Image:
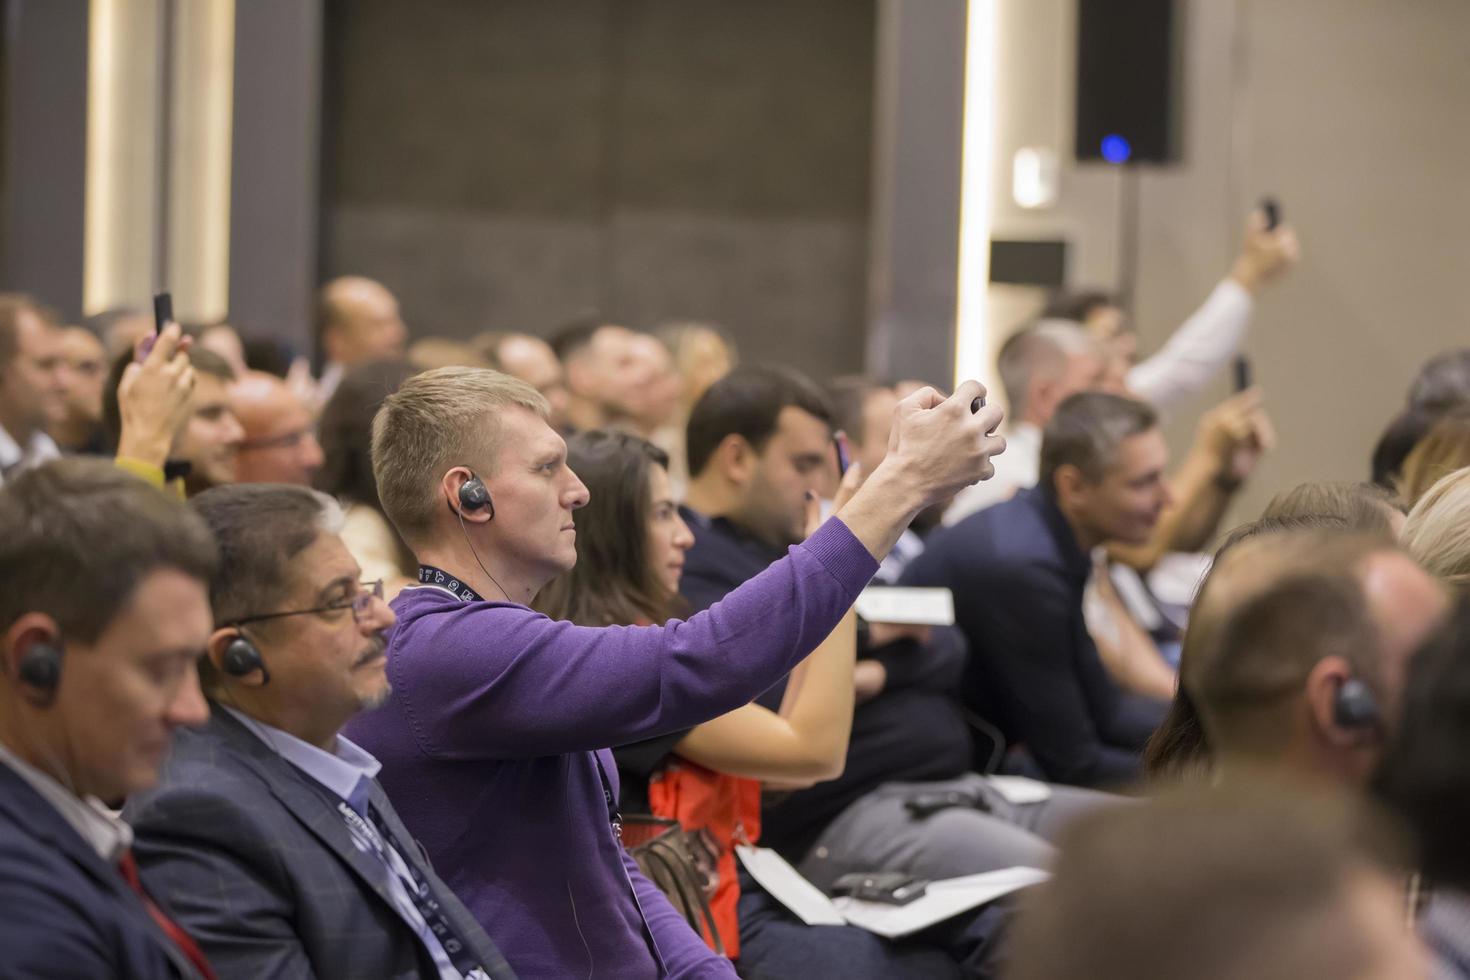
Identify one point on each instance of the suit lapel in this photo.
(33, 815)
(310, 803)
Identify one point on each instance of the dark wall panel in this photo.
(509, 164)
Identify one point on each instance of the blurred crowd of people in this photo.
(384, 665)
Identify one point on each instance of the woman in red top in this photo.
(630, 554)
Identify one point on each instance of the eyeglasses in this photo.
(289, 440)
(360, 604)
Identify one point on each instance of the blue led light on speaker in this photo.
(1116, 149)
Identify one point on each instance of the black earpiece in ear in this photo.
(40, 667)
(241, 657)
(474, 495)
(1355, 707)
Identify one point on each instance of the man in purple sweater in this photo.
(493, 744)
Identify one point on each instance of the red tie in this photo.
(129, 869)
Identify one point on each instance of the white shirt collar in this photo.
(38, 449)
(104, 832)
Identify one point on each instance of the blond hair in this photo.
(1437, 533)
(1443, 450)
(436, 420)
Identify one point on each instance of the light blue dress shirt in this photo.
(347, 774)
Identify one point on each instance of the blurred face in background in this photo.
(368, 326)
(532, 360)
(797, 459)
(668, 536)
(85, 363)
(210, 440)
(279, 445)
(652, 397)
(33, 381)
(1127, 502)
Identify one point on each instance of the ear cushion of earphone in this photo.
(40, 667)
(474, 495)
(240, 658)
(1355, 706)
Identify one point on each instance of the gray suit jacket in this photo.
(250, 856)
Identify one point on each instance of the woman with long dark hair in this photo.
(630, 554)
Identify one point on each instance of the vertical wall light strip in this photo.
(203, 96)
(98, 240)
(121, 196)
(976, 169)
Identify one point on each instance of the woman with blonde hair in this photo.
(1443, 450)
(1437, 533)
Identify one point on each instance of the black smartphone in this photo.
(844, 454)
(889, 887)
(1272, 209)
(1242, 373)
(163, 311)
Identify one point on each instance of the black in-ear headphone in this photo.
(1355, 707)
(473, 495)
(242, 657)
(40, 667)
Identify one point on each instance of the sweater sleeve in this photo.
(485, 681)
(1197, 350)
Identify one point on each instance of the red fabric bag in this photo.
(728, 808)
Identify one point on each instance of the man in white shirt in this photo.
(32, 384)
(104, 608)
(1040, 367)
(1205, 342)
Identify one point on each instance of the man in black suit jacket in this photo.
(1018, 571)
(103, 611)
(269, 836)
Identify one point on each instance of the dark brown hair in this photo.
(78, 535)
(1086, 432)
(747, 402)
(612, 583)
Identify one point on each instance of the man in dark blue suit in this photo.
(269, 837)
(104, 609)
(1018, 571)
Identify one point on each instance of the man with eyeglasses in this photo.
(268, 838)
(279, 446)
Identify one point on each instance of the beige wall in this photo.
(1356, 114)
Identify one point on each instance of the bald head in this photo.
(532, 360)
(1283, 622)
(279, 445)
(359, 322)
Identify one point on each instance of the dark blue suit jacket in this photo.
(1018, 574)
(250, 855)
(64, 912)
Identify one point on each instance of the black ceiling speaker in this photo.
(1128, 81)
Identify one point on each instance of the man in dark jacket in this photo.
(269, 836)
(104, 607)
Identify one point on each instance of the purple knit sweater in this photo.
(487, 749)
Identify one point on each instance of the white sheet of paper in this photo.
(786, 885)
(1019, 790)
(906, 606)
(944, 899)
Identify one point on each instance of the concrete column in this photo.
(45, 150)
(275, 169)
(914, 236)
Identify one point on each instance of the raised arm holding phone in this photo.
(490, 742)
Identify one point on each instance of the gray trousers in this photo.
(878, 833)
